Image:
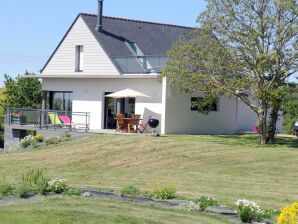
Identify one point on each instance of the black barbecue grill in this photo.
(153, 123)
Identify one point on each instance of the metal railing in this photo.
(142, 64)
(49, 119)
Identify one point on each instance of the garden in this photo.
(179, 173)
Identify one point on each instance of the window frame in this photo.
(51, 98)
(79, 58)
(200, 98)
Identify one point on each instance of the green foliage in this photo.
(57, 185)
(290, 110)
(243, 50)
(204, 202)
(6, 189)
(38, 137)
(27, 141)
(54, 140)
(73, 191)
(268, 214)
(248, 210)
(130, 191)
(36, 181)
(22, 190)
(206, 104)
(22, 92)
(164, 191)
(67, 135)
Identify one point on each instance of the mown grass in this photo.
(87, 211)
(225, 167)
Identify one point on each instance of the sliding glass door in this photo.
(61, 101)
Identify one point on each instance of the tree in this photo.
(290, 111)
(22, 92)
(245, 49)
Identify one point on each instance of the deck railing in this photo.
(49, 119)
(142, 64)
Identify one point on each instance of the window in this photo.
(135, 48)
(195, 100)
(79, 58)
(61, 101)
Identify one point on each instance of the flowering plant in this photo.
(190, 207)
(289, 214)
(28, 140)
(57, 185)
(204, 202)
(248, 210)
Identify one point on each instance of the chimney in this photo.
(99, 16)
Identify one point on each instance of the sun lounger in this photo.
(55, 120)
(68, 122)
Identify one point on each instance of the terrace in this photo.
(48, 119)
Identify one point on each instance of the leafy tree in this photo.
(245, 49)
(22, 92)
(290, 109)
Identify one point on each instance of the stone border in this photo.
(220, 210)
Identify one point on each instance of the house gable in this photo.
(63, 60)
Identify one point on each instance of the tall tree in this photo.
(22, 92)
(290, 109)
(245, 49)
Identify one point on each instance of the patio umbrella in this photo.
(126, 93)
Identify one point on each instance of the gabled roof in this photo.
(154, 39)
(151, 38)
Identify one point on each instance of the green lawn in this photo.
(225, 167)
(71, 211)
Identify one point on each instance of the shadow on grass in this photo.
(251, 140)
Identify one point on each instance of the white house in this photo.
(101, 55)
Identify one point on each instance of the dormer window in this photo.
(135, 48)
(79, 58)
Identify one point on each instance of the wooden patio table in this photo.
(131, 121)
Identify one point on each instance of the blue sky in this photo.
(31, 29)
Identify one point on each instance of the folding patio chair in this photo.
(144, 127)
(55, 120)
(68, 122)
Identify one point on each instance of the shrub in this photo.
(289, 214)
(204, 202)
(57, 185)
(67, 136)
(22, 190)
(6, 189)
(190, 207)
(130, 191)
(38, 138)
(73, 191)
(53, 140)
(248, 210)
(268, 214)
(36, 181)
(27, 141)
(164, 191)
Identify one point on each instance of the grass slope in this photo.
(71, 211)
(226, 167)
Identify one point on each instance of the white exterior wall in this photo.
(88, 96)
(96, 61)
(180, 119)
(246, 118)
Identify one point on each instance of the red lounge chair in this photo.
(68, 122)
